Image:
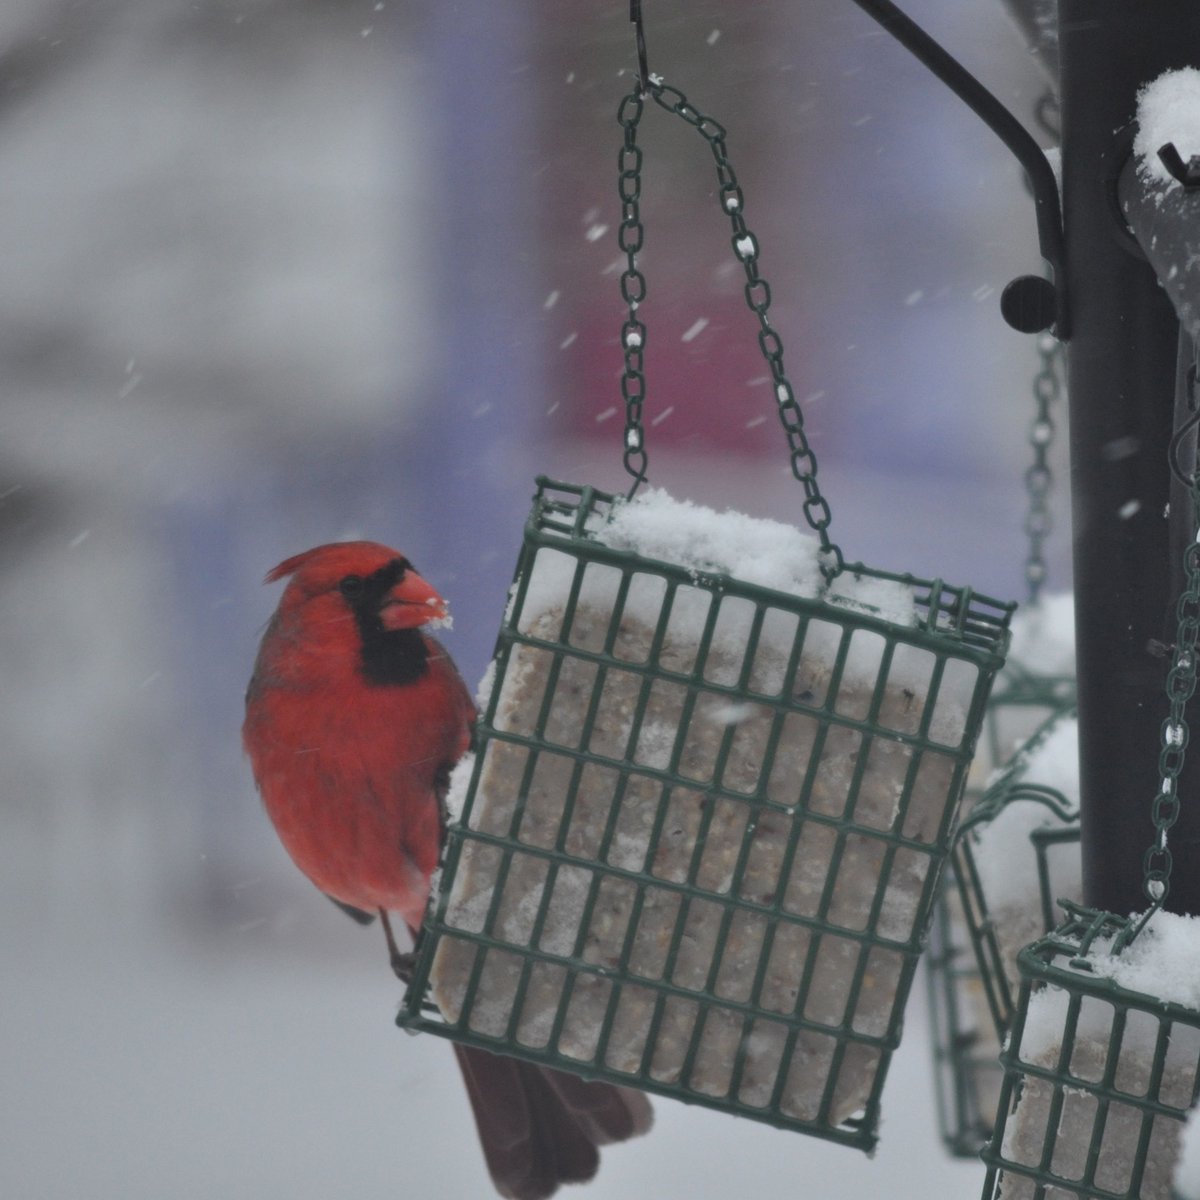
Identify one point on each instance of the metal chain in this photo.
(633, 289)
(757, 293)
(1047, 388)
(1180, 687)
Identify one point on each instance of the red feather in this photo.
(354, 717)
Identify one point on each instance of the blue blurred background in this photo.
(280, 271)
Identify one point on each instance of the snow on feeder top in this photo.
(717, 772)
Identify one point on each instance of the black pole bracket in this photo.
(1028, 302)
(639, 33)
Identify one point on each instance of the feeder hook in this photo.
(1188, 173)
(1179, 437)
(639, 33)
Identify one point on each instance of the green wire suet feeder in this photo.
(699, 840)
(1016, 855)
(1099, 1076)
(978, 930)
(702, 832)
(967, 1072)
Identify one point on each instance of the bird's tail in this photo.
(539, 1127)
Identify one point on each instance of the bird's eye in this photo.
(351, 586)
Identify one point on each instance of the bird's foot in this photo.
(404, 965)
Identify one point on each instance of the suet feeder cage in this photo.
(1016, 855)
(1022, 858)
(965, 1048)
(1100, 1067)
(700, 838)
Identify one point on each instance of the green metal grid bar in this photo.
(1010, 784)
(966, 1063)
(819, 923)
(857, 1131)
(893, 840)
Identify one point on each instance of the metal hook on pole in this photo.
(1178, 440)
(635, 16)
(1180, 436)
(1188, 173)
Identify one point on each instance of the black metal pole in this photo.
(1121, 360)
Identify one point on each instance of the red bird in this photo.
(354, 718)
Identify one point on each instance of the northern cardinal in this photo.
(354, 718)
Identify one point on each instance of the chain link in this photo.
(1047, 388)
(633, 288)
(1174, 732)
(757, 293)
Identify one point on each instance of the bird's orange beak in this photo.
(412, 602)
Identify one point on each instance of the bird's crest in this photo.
(359, 557)
(290, 565)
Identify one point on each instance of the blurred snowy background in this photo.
(279, 271)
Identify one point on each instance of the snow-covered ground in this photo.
(280, 270)
(143, 1059)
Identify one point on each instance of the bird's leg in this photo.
(402, 964)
